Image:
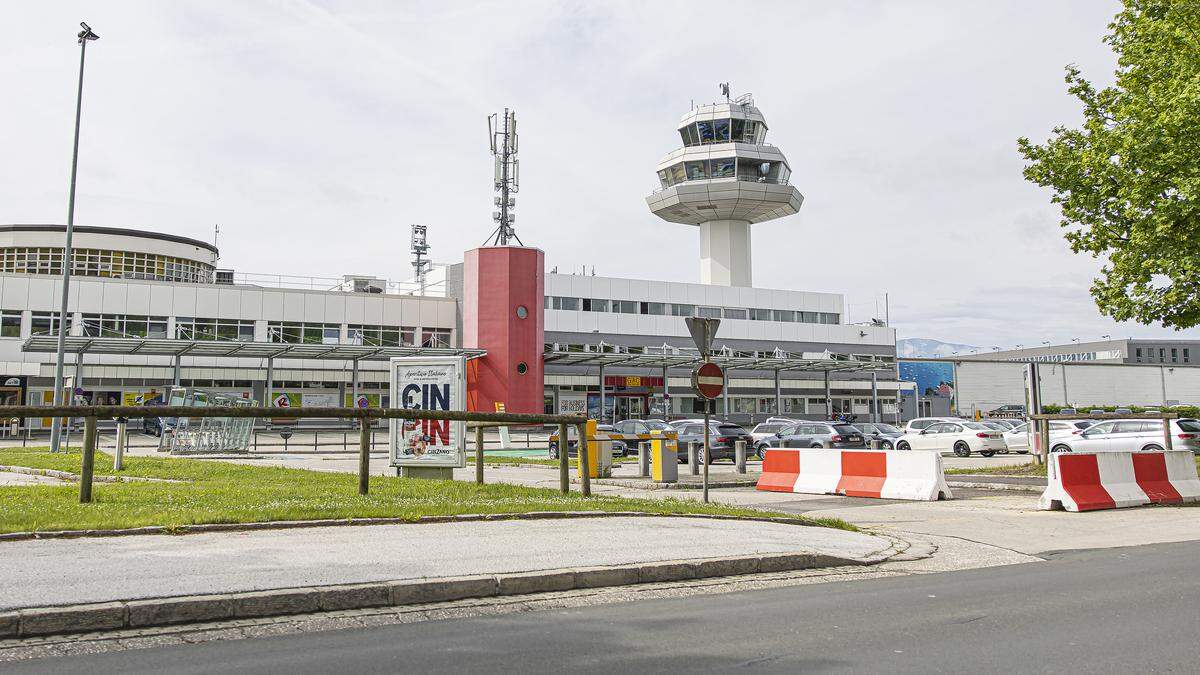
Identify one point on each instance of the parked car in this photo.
(619, 448)
(816, 434)
(1017, 438)
(1131, 436)
(962, 437)
(641, 427)
(722, 437)
(1010, 410)
(155, 426)
(766, 432)
(920, 423)
(886, 434)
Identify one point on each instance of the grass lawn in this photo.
(222, 492)
(1008, 470)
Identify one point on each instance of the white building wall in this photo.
(611, 323)
(986, 385)
(34, 293)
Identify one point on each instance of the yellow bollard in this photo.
(664, 465)
(593, 457)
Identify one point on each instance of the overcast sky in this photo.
(315, 133)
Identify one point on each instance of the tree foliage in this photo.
(1128, 180)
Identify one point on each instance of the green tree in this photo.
(1128, 180)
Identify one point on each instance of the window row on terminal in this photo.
(683, 309)
(232, 330)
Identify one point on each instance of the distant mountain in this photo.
(925, 348)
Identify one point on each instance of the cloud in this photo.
(315, 133)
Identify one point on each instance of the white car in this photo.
(915, 426)
(766, 432)
(1017, 440)
(960, 436)
(1131, 436)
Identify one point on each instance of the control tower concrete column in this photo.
(725, 253)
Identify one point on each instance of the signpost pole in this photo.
(708, 380)
(704, 458)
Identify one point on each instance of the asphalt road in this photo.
(1112, 610)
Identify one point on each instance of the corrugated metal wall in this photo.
(987, 385)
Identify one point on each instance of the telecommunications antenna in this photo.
(419, 247)
(502, 137)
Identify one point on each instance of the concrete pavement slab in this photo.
(39, 573)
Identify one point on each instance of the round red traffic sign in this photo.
(708, 380)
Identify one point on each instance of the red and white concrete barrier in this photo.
(887, 474)
(1113, 480)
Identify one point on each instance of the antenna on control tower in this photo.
(419, 247)
(725, 91)
(502, 135)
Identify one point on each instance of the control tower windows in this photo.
(689, 135)
(722, 168)
(696, 170)
(721, 130)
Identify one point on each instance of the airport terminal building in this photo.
(148, 310)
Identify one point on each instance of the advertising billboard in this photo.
(428, 383)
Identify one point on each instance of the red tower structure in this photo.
(503, 287)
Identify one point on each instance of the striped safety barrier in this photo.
(1113, 480)
(887, 474)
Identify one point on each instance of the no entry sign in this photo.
(708, 380)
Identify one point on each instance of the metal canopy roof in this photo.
(669, 357)
(220, 348)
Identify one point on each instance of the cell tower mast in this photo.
(420, 247)
(502, 136)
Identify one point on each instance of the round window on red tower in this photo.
(522, 312)
(522, 368)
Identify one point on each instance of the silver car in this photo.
(1131, 436)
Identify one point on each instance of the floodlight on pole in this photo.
(84, 37)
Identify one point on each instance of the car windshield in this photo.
(729, 429)
(1083, 424)
(1189, 425)
(886, 429)
(977, 426)
(655, 425)
(846, 429)
(767, 428)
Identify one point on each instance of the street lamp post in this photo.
(85, 36)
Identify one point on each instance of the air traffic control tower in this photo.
(724, 178)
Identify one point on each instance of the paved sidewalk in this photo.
(70, 571)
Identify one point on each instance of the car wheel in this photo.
(887, 445)
(962, 449)
(1060, 448)
(1022, 452)
(1152, 448)
(553, 451)
(761, 452)
(986, 453)
(903, 445)
(817, 446)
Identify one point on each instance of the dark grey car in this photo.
(886, 434)
(722, 438)
(816, 434)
